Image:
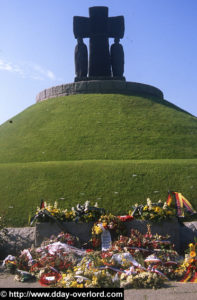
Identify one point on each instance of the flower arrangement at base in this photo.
(165, 262)
(138, 261)
(90, 272)
(153, 252)
(81, 213)
(50, 278)
(114, 260)
(110, 269)
(24, 276)
(141, 280)
(10, 264)
(146, 243)
(109, 222)
(119, 266)
(94, 278)
(187, 272)
(50, 257)
(63, 237)
(155, 212)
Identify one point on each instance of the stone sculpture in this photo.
(99, 28)
(117, 59)
(81, 59)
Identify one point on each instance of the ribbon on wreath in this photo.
(181, 202)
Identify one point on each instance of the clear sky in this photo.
(37, 47)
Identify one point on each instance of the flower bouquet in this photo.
(155, 212)
(81, 213)
(109, 223)
(187, 272)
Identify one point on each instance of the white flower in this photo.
(78, 207)
(165, 206)
(87, 203)
(96, 204)
(80, 280)
(149, 203)
(79, 272)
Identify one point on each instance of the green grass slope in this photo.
(115, 185)
(84, 127)
(113, 149)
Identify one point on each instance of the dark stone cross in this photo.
(99, 28)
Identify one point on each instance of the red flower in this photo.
(106, 254)
(89, 250)
(125, 218)
(49, 278)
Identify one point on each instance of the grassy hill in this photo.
(113, 149)
(84, 127)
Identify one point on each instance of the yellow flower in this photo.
(145, 208)
(192, 253)
(94, 280)
(97, 229)
(74, 284)
(157, 209)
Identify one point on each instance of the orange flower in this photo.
(104, 224)
(192, 253)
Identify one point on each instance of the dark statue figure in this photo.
(81, 59)
(117, 59)
(99, 28)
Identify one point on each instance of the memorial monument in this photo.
(99, 69)
(99, 28)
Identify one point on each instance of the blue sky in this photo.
(37, 47)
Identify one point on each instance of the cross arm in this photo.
(81, 27)
(116, 27)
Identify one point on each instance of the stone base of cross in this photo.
(77, 79)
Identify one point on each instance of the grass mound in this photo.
(84, 127)
(113, 149)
